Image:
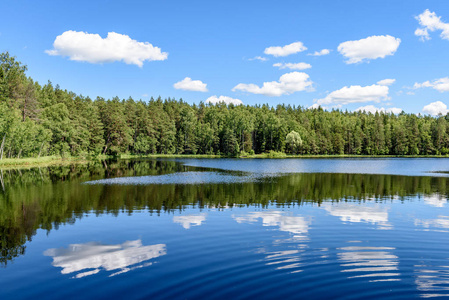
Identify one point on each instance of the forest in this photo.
(41, 120)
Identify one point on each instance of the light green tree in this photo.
(293, 141)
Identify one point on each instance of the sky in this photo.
(372, 55)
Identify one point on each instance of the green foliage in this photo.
(46, 120)
(293, 141)
(275, 154)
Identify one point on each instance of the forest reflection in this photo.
(45, 198)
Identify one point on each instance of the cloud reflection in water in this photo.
(357, 213)
(92, 257)
(190, 220)
(378, 263)
(297, 225)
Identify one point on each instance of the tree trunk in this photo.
(40, 150)
(1, 147)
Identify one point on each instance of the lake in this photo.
(227, 229)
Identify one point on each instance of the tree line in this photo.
(38, 120)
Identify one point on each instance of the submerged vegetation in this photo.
(46, 120)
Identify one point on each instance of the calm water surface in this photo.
(226, 228)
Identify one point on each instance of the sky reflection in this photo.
(92, 257)
(357, 213)
(190, 220)
(377, 263)
(297, 225)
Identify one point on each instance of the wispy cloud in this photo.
(293, 66)
(261, 58)
(387, 82)
(285, 50)
(441, 85)
(320, 53)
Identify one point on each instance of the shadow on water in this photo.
(45, 198)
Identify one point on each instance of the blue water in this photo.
(237, 239)
(392, 166)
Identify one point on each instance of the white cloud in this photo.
(287, 84)
(293, 66)
(320, 53)
(386, 82)
(261, 58)
(356, 94)
(441, 85)
(285, 50)
(187, 84)
(435, 108)
(372, 47)
(223, 99)
(83, 46)
(372, 109)
(431, 22)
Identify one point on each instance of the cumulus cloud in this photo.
(287, 84)
(429, 21)
(386, 82)
(92, 48)
(293, 66)
(372, 47)
(285, 50)
(187, 84)
(261, 58)
(372, 109)
(223, 99)
(356, 94)
(441, 85)
(435, 108)
(320, 53)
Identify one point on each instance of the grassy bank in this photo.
(44, 161)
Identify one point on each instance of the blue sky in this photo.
(216, 43)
